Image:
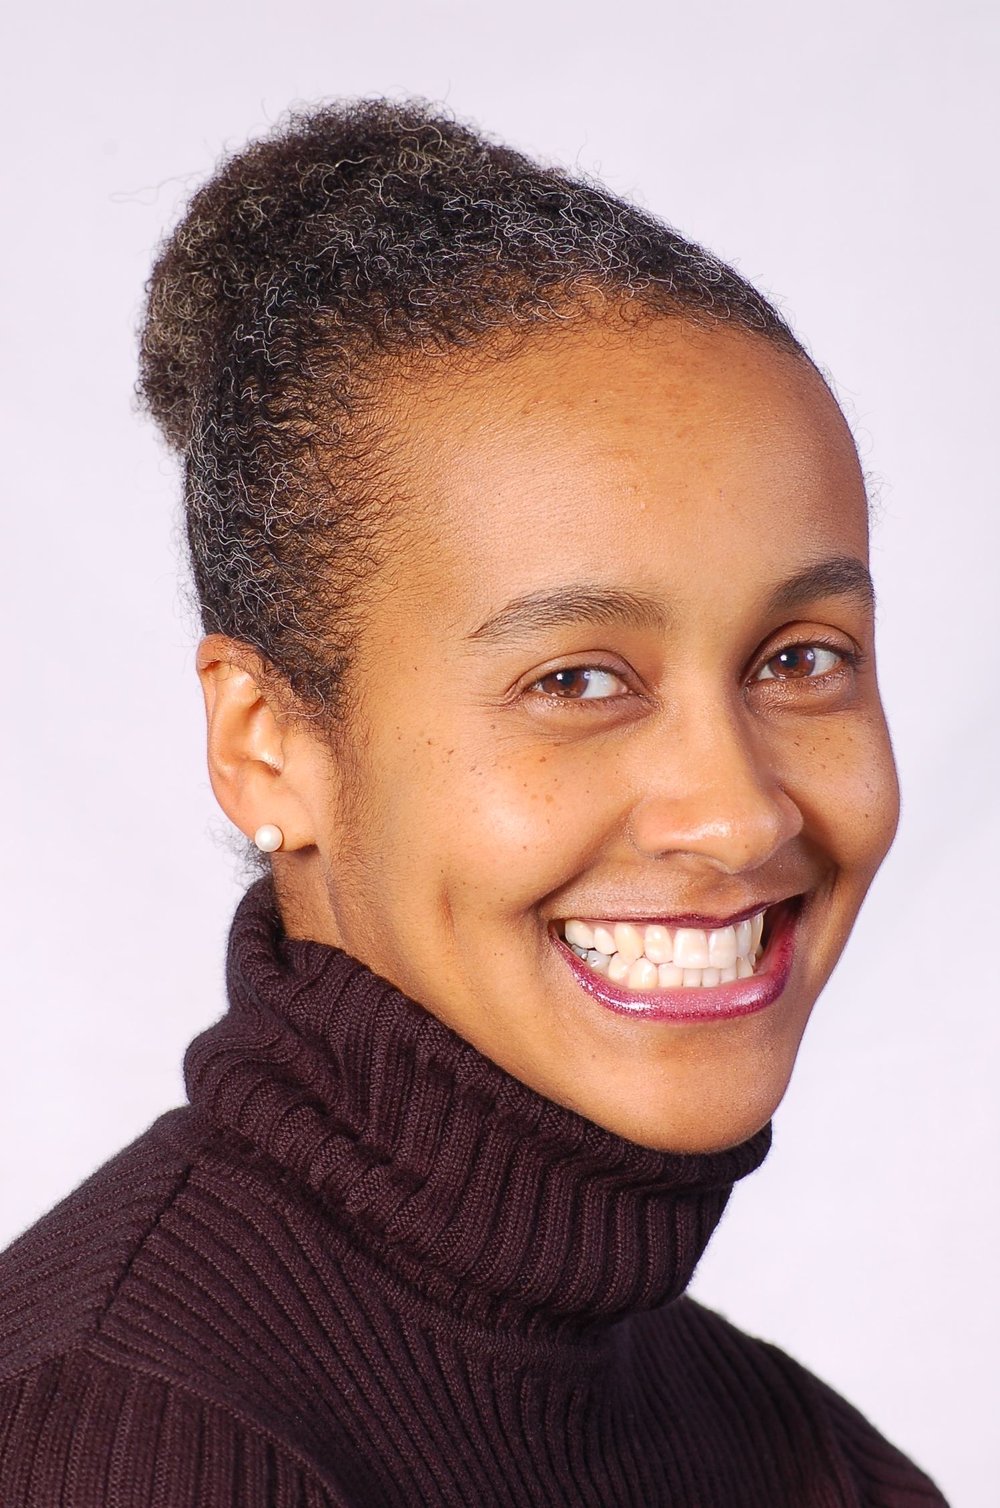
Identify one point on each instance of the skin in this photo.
(473, 802)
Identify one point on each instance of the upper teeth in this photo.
(654, 956)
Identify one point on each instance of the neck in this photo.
(487, 1197)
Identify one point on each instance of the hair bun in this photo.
(360, 229)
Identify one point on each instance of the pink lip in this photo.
(721, 1002)
(689, 919)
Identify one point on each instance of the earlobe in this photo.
(249, 743)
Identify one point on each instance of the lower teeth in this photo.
(643, 975)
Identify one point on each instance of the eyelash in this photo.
(589, 702)
(851, 659)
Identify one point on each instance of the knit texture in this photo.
(366, 1268)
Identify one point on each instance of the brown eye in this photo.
(579, 683)
(800, 662)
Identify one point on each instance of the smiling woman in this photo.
(532, 554)
(607, 724)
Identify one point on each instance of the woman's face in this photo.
(621, 676)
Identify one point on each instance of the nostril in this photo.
(736, 825)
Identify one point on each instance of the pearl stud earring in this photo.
(268, 838)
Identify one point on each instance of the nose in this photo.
(711, 791)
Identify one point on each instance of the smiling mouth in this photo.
(672, 970)
(657, 957)
(644, 957)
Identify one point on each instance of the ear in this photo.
(260, 762)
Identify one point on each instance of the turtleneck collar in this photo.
(487, 1197)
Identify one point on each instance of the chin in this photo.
(694, 1139)
(693, 1133)
(702, 1100)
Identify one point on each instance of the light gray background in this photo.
(844, 156)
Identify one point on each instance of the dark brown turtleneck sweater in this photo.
(366, 1268)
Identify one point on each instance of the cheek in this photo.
(842, 776)
(539, 821)
(494, 830)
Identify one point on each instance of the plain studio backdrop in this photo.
(843, 156)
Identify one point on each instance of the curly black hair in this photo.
(356, 238)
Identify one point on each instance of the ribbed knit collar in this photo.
(455, 1176)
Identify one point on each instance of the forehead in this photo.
(660, 457)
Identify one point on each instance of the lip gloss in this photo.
(719, 1002)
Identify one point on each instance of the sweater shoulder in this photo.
(84, 1432)
(881, 1474)
(137, 1364)
(61, 1275)
(187, 1262)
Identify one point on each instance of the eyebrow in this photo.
(584, 602)
(838, 576)
(578, 603)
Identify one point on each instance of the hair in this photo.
(358, 238)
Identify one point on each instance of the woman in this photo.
(531, 550)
